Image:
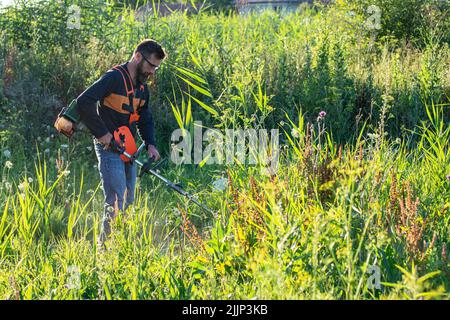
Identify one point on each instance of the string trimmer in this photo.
(147, 167)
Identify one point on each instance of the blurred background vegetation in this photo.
(368, 184)
(322, 57)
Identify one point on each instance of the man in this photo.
(120, 98)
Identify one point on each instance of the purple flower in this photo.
(448, 177)
(322, 115)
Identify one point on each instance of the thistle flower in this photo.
(322, 115)
(7, 153)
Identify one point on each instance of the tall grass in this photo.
(285, 61)
(364, 187)
(311, 231)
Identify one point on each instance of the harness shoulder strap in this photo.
(127, 82)
(130, 92)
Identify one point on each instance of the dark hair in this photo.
(149, 46)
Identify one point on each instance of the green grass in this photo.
(309, 232)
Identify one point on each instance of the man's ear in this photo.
(137, 56)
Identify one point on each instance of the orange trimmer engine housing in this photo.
(125, 139)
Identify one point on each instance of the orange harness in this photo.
(134, 116)
(123, 134)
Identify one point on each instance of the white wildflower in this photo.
(8, 164)
(280, 204)
(66, 173)
(89, 148)
(30, 180)
(295, 133)
(8, 186)
(23, 186)
(220, 184)
(47, 140)
(7, 153)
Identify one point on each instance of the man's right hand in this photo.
(105, 140)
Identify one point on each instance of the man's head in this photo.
(148, 56)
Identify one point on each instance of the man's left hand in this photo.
(153, 153)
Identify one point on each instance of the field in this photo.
(358, 208)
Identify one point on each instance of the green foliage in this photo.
(366, 185)
(311, 231)
(411, 19)
(247, 68)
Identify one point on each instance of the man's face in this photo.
(147, 67)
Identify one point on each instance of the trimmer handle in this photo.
(146, 167)
(116, 147)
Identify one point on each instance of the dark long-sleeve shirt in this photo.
(105, 106)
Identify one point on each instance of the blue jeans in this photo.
(118, 183)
